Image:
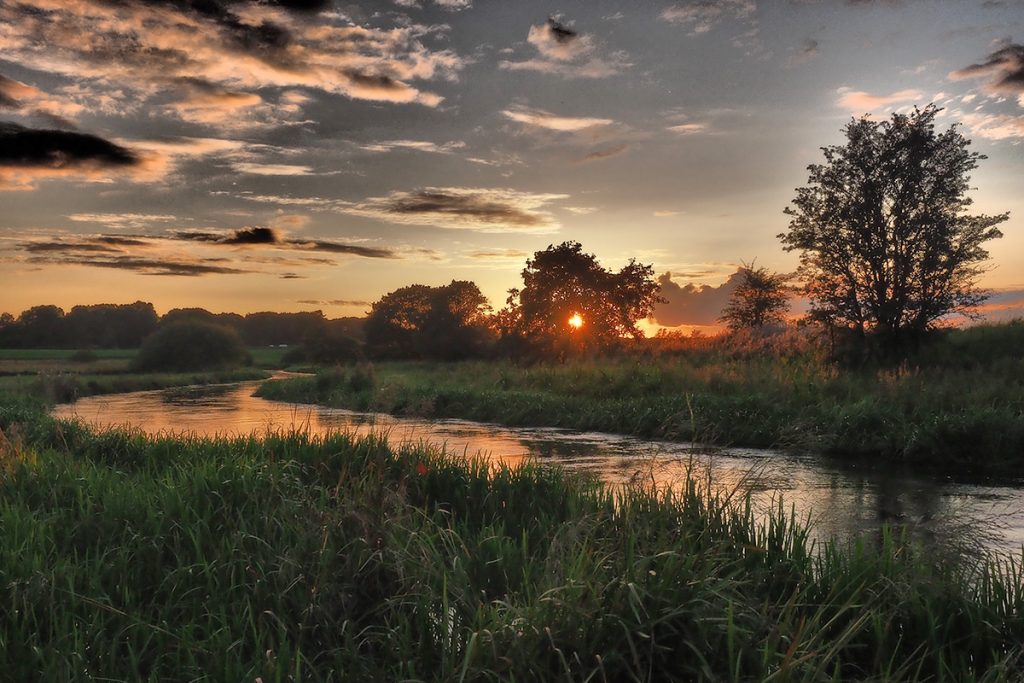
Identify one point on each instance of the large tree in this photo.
(569, 299)
(418, 321)
(886, 244)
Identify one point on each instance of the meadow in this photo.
(291, 557)
(957, 406)
(63, 375)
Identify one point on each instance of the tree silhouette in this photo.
(760, 299)
(562, 282)
(886, 246)
(418, 321)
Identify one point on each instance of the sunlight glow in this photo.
(576, 321)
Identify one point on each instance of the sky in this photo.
(245, 155)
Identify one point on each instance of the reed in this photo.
(288, 556)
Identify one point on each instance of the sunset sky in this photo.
(300, 154)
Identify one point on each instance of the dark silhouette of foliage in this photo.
(445, 323)
(761, 299)
(563, 281)
(886, 245)
(190, 345)
(111, 325)
(330, 348)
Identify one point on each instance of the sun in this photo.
(576, 321)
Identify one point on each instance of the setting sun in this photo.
(576, 321)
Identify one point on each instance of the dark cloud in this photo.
(1004, 68)
(606, 153)
(144, 266)
(33, 147)
(693, 304)
(121, 241)
(64, 246)
(241, 236)
(560, 32)
(8, 87)
(477, 208)
(267, 236)
(339, 248)
(291, 276)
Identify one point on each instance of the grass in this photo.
(64, 375)
(957, 409)
(294, 557)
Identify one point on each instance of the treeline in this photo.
(124, 326)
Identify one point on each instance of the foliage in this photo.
(885, 243)
(96, 326)
(293, 557)
(191, 345)
(760, 299)
(563, 281)
(418, 321)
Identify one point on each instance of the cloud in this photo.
(688, 128)
(665, 213)
(272, 169)
(261, 236)
(414, 145)
(29, 100)
(606, 153)
(538, 118)
(807, 52)
(30, 154)
(859, 101)
(214, 55)
(566, 52)
(122, 220)
(693, 304)
(340, 248)
(487, 210)
(1004, 70)
(498, 254)
(703, 15)
(995, 126)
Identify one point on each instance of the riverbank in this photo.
(65, 375)
(967, 419)
(134, 557)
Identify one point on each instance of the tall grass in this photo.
(296, 557)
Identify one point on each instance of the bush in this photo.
(191, 345)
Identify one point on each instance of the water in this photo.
(839, 502)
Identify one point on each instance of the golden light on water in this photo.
(576, 321)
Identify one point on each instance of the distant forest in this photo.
(124, 326)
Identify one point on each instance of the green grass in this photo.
(957, 410)
(62, 387)
(293, 557)
(59, 376)
(63, 354)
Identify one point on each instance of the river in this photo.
(839, 502)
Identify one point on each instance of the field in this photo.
(125, 557)
(62, 375)
(959, 407)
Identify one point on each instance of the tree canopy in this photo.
(886, 244)
(419, 321)
(760, 299)
(563, 283)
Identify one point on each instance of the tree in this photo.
(760, 299)
(189, 345)
(569, 299)
(418, 321)
(886, 244)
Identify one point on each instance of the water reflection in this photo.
(840, 503)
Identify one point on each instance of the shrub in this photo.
(191, 345)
